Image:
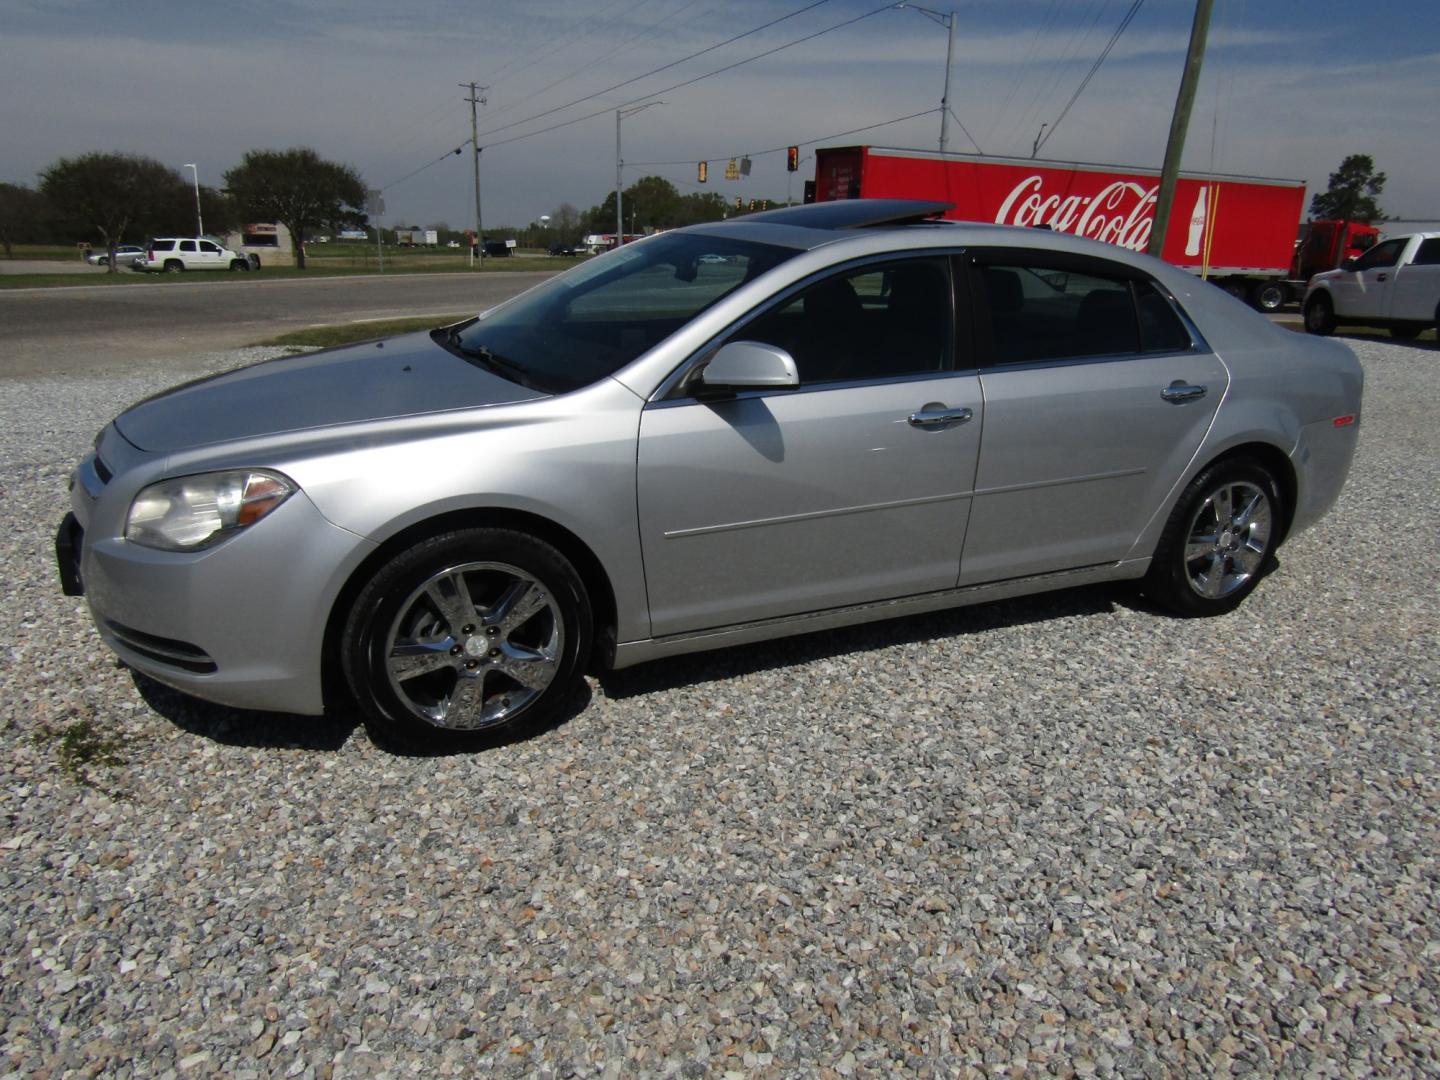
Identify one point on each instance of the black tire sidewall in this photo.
(375, 608)
(1326, 320)
(1168, 580)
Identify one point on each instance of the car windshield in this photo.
(593, 320)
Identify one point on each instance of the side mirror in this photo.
(750, 365)
(1349, 264)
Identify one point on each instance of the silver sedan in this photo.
(788, 422)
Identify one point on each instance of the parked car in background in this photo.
(565, 250)
(171, 255)
(861, 413)
(125, 254)
(1396, 284)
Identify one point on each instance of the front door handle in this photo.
(1178, 392)
(937, 415)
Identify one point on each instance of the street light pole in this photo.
(199, 221)
(619, 182)
(947, 21)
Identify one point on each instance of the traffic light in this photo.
(739, 203)
(792, 159)
(703, 172)
(752, 206)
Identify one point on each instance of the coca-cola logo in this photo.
(1121, 213)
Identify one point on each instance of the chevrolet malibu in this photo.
(793, 421)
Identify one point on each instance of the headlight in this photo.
(193, 512)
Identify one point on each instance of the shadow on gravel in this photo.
(245, 727)
(328, 733)
(721, 664)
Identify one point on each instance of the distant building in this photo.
(269, 240)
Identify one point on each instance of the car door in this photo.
(1364, 291)
(1097, 395)
(1417, 283)
(853, 487)
(211, 256)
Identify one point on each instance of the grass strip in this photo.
(325, 337)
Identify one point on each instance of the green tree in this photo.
(298, 189)
(23, 217)
(114, 194)
(1352, 194)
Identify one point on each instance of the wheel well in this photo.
(1279, 466)
(592, 575)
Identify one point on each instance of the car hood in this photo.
(404, 376)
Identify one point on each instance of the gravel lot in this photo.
(1058, 836)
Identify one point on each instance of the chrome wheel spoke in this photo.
(1220, 501)
(531, 668)
(465, 706)
(1247, 560)
(519, 603)
(1212, 581)
(451, 597)
(409, 659)
(1200, 547)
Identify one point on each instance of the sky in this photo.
(1288, 89)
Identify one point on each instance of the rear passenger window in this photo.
(1040, 313)
(187, 245)
(1160, 328)
(1429, 253)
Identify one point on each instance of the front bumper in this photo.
(240, 624)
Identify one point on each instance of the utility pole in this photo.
(475, 99)
(1179, 124)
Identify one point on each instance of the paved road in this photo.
(111, 328)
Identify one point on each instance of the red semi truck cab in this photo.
(1237, 231)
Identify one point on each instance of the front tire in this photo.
(1319, 315)
(1406, 331)
(1220, 540)
(466, 633)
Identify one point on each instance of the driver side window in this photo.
(871, 322)
(1381, 255)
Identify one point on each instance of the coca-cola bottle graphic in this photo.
(1197, 223)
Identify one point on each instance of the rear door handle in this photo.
(938, 415)
(1178, 392)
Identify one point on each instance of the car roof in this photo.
(873, 224)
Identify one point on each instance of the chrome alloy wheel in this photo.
(1228, 539)
(474, 645)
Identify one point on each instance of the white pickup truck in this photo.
(1396, 284)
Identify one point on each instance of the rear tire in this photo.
(1406, 331)
(1268, 296)
(1220, 540)
(1319, 315)
(464, 634)
(174, 266)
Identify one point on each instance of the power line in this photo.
(1125, 22)
(655, 71)
(428, 164)
(690, 82)
(624, 46)
(780, 149)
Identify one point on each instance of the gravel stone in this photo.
(1057, 836)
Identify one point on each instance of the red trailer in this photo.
(1237, 231)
